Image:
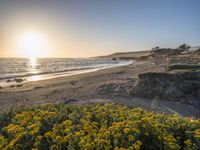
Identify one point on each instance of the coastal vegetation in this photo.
(183, 67)
(185, 47)
(95, 126)
(180, 49)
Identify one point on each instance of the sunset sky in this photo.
(85, 28)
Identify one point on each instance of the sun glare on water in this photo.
(32, 45)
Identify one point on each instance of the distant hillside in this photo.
(127, 54)
(137, 54)
(195, 48)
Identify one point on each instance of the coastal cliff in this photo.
(170, 86)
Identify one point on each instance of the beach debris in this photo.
(18, 80)
(72, 82)
(121, 72)
(8, 81)
(19, 85)
(68, 101)
(37, 87)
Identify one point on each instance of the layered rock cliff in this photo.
(170, 86)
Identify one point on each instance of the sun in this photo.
(32, 45)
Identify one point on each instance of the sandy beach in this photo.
(111, 84)
(106, 85)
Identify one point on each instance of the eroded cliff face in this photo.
(170, 86)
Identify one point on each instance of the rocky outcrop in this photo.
(170, 86)
(197, 52)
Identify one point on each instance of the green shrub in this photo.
(182, 67)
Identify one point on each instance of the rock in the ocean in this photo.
(169, 86)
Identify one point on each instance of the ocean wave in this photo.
(21, 68)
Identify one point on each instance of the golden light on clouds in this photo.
(32, 45)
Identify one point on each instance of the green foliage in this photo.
(95, 126)
(185, 47)
(182, 67)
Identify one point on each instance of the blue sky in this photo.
(98, 27)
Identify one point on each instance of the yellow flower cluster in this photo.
(94, 126)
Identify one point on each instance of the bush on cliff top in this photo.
(109, 126)
(182, 67)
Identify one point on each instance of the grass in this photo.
(183, 67)
(94, 126)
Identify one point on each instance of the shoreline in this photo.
(112, 84)
(106, 85)
(45, 76)
(73, 83)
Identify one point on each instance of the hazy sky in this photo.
(84, 28)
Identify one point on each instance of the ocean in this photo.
(45, 68)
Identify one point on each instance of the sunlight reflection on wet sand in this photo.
(35, 78)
